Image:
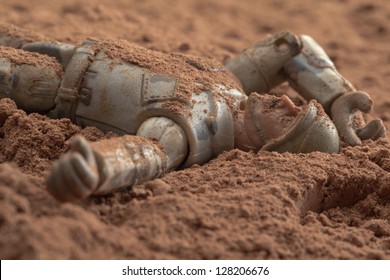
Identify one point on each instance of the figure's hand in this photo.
(346, 112)
(75, 175)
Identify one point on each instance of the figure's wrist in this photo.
(314, 76)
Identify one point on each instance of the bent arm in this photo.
(313, 75)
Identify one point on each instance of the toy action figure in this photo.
(173, 110)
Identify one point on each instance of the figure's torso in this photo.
(112, 102)
(116, 95)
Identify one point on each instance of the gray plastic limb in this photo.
(260, 67)
(75, 175)
(170, 136)
(33, 87)
(60, 51)
(126, 161)
(105, 166)
(313, 75)
(345, 111)
(19, 38)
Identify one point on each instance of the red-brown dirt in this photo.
(241, 205)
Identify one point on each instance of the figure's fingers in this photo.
(286, 104)
(72, 182)
(373, 130)
(83, 172)
(71, 178)
(342, 113)
(51, 182)
(358, 100)
(348, 134)
(80, 144)
(55, 183)
(345, 110)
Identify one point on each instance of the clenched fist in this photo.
(74, 176)
(346, 112)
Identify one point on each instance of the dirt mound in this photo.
(238, 206)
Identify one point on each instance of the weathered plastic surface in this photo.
(126, 161)
(348, 107)
(33, 87)
(259, 68)
(170, 136)
(105, 166)
(75, 175)
(118, 96)
(114, 95)
(312, 132)
(306, 131)
(313, 75)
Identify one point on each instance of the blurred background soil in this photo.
(238, 206)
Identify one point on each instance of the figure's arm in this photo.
(309, 70)
(313, 75)
(60, 51)
(259, 68)
(108, 165)
(31, 80)
(16, 37)
(19, 38)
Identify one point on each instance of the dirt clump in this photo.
(240, 205)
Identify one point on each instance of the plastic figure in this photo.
(174, 110)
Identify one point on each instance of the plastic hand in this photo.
(75, 175)
(346, 112)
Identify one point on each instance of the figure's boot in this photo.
(260, 67)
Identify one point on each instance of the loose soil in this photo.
(241, 205)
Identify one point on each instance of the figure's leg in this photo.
(260, 67)
(108, 165)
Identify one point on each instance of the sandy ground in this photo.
(238, 206)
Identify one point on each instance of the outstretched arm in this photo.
(108, 165)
